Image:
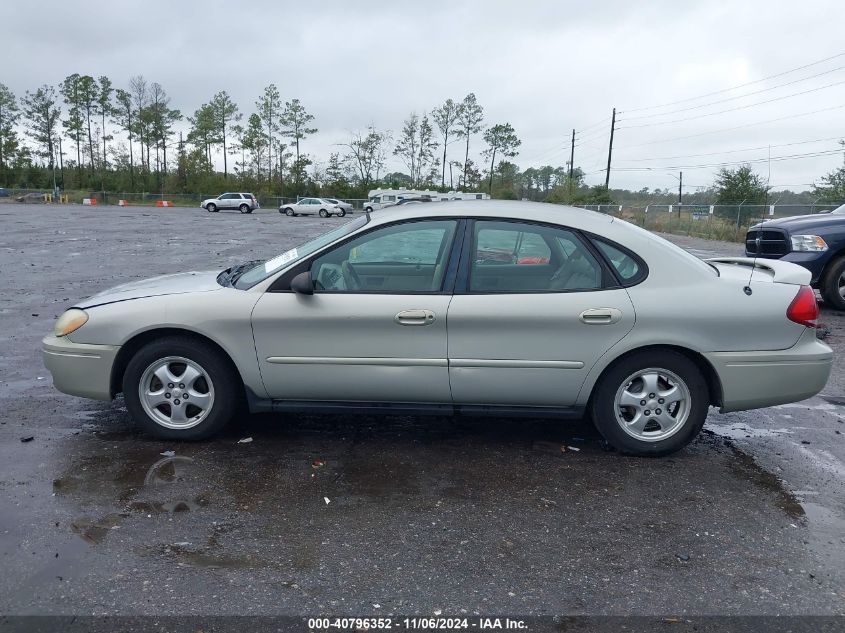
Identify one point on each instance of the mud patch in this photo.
(746, 468)
(94, 531)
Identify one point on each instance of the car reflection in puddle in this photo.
(170, 485)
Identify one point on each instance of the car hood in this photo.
(801, 222)
(179, 283)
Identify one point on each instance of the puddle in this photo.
(170, 485)
(837, 400)
(94, 531)
(742, 431)
(747, 469)
(825, 407)
(215, 560)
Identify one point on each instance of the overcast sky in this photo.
(544, 66)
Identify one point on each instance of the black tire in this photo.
(211, 207)
(341, 213)
(830, 284)
(289, 212)
(324, 213)
(602, 408)
(368, 209)
(244, 208)
(227, 386)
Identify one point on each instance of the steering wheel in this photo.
(353, 281)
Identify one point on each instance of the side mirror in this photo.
(301, 284)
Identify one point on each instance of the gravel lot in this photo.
(425, 514)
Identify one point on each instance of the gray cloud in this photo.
(546, 67)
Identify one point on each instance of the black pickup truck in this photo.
(816, 242)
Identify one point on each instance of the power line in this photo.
(592, 135)
(743, 107)
(735, 151)
(737, 127)
(773, 159)
(724, 90)
(748, 94)
(596, 124)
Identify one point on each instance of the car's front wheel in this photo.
(651, 403)
(289, 212)
(178, 388)
(833, 284)
(211, 207)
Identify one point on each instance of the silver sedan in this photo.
(324, 207)
(499, 308)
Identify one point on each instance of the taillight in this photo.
(804, 309)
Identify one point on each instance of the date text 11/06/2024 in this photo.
(418, 623)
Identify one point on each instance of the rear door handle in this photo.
(600, 316)
(415, 317)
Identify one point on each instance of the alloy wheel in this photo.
(652, 404)
(176, 392)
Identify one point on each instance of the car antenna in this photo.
(758, 241)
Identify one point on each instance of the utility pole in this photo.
(61, 164)
(571, 163)
(610, 150)
(681, 189)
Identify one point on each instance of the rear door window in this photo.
(514, 257)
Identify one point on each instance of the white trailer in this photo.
(380, 198)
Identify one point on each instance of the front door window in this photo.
(402, 258)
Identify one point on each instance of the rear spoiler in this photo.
(783, 272)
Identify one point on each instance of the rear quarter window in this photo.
(630, 268)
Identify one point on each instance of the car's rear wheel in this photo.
(244, 208)
(651, 403)
(211, 207)
(368, 209)
(324, 213)
(289, 212)
(341, 213)
(178, 388)
(833, 284)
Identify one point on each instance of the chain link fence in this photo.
(715, 222)
(34, 196)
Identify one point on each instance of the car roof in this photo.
(506, 209)
(656, 251)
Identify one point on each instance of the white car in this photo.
(346, 206)
(311, 206)
(501, 308)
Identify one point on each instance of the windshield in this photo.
(263, 270)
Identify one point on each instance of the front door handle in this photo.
(600, 316)
(415, 317)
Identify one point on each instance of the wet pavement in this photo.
(380, 515)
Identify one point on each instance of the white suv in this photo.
(244, 202)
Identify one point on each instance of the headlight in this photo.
(70, 321)
(808, 243)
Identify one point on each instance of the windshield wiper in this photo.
(229, 276)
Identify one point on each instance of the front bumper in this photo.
(80, 369)
(751, 380)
